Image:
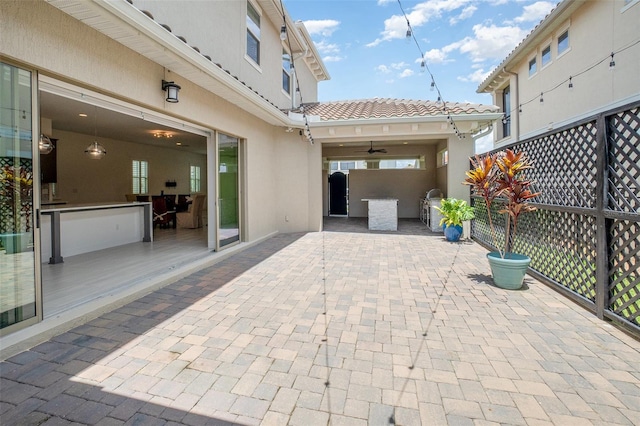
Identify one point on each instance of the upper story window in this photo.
(253, 33)
(546, 56)
(140, 177)
(506, 107)
(563, 42)
(286, 71)
(533, 67)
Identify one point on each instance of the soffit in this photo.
(134, 29)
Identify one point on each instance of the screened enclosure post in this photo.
(602, 240)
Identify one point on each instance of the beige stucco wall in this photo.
(81, 180)
(595, 30)
(40, 36)
(221, 34)
(406, 185)
(460, 150)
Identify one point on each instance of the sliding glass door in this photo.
(228, 191)
(17, 219)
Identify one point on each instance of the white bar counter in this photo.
(82, 228)
(382, 214)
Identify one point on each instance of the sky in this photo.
(364, 46)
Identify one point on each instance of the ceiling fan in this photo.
(371, 150)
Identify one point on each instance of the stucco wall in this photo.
(408, 186)
(82, 180)
(595, 30)
(221, 34)
(38, 35)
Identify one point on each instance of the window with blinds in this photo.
(194, 180)
(140, 177)
(253, 33)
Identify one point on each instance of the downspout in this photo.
(517, 99)
(293, 74)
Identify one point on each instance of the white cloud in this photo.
(466, 13)
(406, 73)
(383, 69)
(326, 48)
(395, 27)
(478, 76)
(489, 42)
(323, 27)
(534, 12)
(332, 58)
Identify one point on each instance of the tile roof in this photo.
(389, 108)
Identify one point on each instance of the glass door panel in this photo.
(17, 255)
(228, 200)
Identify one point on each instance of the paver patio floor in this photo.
(339, 328)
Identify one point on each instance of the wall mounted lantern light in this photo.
(45, 146)
(172, 90)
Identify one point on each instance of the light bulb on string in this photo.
(423, 66)
(433, 85)
(283, 32)
(570, 83)
(612, 63)
(541, 98)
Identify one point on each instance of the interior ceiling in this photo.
(64, 115)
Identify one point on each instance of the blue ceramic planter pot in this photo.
(452, 232)
(509, 272)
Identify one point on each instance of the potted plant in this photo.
(454, 212)
(503, 176)
(16, 189)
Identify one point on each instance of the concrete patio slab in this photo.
(341, 327)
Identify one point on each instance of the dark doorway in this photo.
(338, 194)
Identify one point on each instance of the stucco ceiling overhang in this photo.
(501, 74)
(405, 128)
(129, 26)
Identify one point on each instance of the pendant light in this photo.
(45, 146)
(95, 151)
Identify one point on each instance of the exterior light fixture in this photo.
(95, 151)
(172, 90)
(283, 32)
(541, 98)
(612, 63)
(45, 146)
(570, 83)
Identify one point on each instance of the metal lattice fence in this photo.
(585, 235)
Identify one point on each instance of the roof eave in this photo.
(148, 38)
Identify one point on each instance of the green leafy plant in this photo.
(454, 211)
(502, 175)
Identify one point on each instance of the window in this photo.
(443, 158)
(194, 179)
(563, 42)
(253, 33)
(532, 67)
(286, 71)
(506, 107)
(140, 173)
(546, 56)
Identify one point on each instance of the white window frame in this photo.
(443, 158)
(544, 64)
(139, 179)
(533, 59)
(560, 34)
(286, 72)
(195, 181)
(252, 60)
(628, 4)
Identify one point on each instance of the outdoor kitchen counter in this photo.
(83, 228)
(382, 214)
